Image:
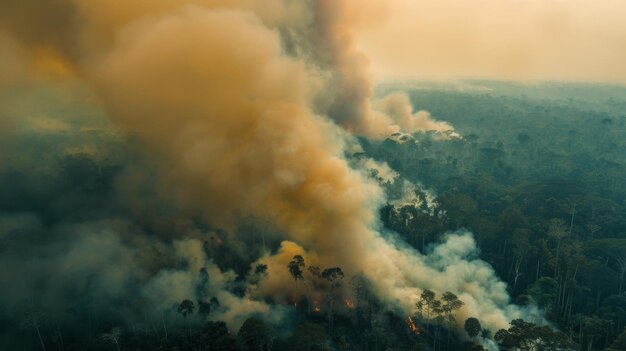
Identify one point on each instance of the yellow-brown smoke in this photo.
(351, 89)
(210, 90)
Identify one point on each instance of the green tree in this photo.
(619, 344)
(557, 230)
(426, 300)
(544, 292)
(523, 335)
(214, 336)
(260, 269)
(254, 335)
(615, 251)
(472, 327)
(334, 276)
(185, 308)
(451, 303)
(204, 308)
(296, 268)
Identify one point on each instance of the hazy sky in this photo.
(505, 39)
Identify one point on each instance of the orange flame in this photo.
(412, 326)
(349, 304)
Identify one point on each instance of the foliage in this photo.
(528, 336)
(254, 335)
(472, 327)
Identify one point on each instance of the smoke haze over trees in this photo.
(226, 175)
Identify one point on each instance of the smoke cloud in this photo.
(233, 124)
(350, 101)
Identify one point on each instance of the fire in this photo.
(412, 326)
(316, 309)
(349, 304)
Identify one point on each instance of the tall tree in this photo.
(451, 303)
(619, 344)
(185, 308)
(254, 335)
(296, 268)
(334, 276)
(557, 230)
(213, 336)
(426, 300)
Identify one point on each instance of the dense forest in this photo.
(540, 179)
(537, 175)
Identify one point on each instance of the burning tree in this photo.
(412, 327)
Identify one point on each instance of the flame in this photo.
(349, 304)
(316, 309)
(412, 326)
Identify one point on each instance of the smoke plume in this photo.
(233, 124)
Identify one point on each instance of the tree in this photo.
(557, 230)
(614, 308)
(359, 285)
(204, 308)
(620, 343)
(612, 249)
(296, 267)
(544, 292)
(260, 269)
(334, 276)
(315, 271)
(186, 307)
(439, 317)
(472, 327)
(450, 305)
(426, 299)
(113, 337)
(523, 335)
(214, 336)
(521, 247)
(254, 335)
